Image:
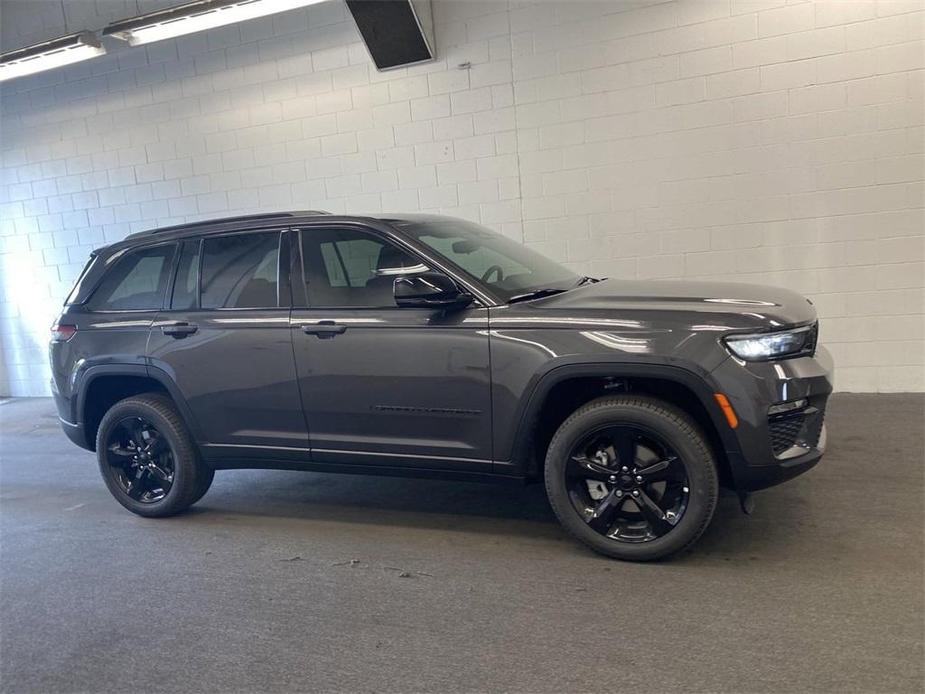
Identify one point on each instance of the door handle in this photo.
(324, 329)
(179, 329)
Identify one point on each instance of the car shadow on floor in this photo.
(466, 507)
(370, 499)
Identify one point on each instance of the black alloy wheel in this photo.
(148, 459)
(627, 483)
(633, 477)
(141, 460)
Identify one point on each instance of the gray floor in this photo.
(284, 581)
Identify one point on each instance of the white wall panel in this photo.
(777, 142)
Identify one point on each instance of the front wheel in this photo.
(148, 459)
(632, 477)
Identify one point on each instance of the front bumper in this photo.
(774, 449)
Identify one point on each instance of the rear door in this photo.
(224, 341)
(383, 385)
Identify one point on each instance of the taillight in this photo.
(61, 332)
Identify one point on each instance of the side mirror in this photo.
(429, 290)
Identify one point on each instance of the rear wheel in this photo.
(148, 459)
(632, 477)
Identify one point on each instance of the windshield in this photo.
(508, 268)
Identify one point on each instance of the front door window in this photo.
(347, 268)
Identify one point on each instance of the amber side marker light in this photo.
(726, 407)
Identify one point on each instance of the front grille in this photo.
(785, 432)
(814, 428)
(802, 429)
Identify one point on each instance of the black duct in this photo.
(396, 32)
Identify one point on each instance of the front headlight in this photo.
(776, 345)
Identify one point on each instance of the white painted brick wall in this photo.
(774, 141)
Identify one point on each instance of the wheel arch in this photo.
(563, 389)
(102, 386)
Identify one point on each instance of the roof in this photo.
(223, 221)
(254, 222)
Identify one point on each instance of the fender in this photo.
(94, 372)
(543, 382)
(83, 378)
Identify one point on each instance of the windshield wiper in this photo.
(549, 291)
(535, 294)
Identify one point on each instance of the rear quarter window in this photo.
(136, 281)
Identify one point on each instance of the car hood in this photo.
(755, 305)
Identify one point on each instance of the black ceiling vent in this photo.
(396, 32)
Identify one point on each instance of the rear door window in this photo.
(186, 284)
(137, 281)
(240, 271)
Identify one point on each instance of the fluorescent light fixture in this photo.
(50, 54)
(196, 16)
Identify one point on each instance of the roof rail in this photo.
(240, 218)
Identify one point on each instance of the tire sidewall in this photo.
(679, 435)
(184, 465)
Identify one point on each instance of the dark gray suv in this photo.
(426, 345)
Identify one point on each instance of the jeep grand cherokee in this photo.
(424, 345)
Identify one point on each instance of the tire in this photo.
(189, 478)
(663, 423)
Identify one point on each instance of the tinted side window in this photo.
(186, 284)
(137, 281)
(240, 271)
(346, 268)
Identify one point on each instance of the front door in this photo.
(225, 342)
(383, 385)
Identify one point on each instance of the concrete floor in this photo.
(285, 581)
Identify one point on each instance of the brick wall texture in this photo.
(765, 141)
